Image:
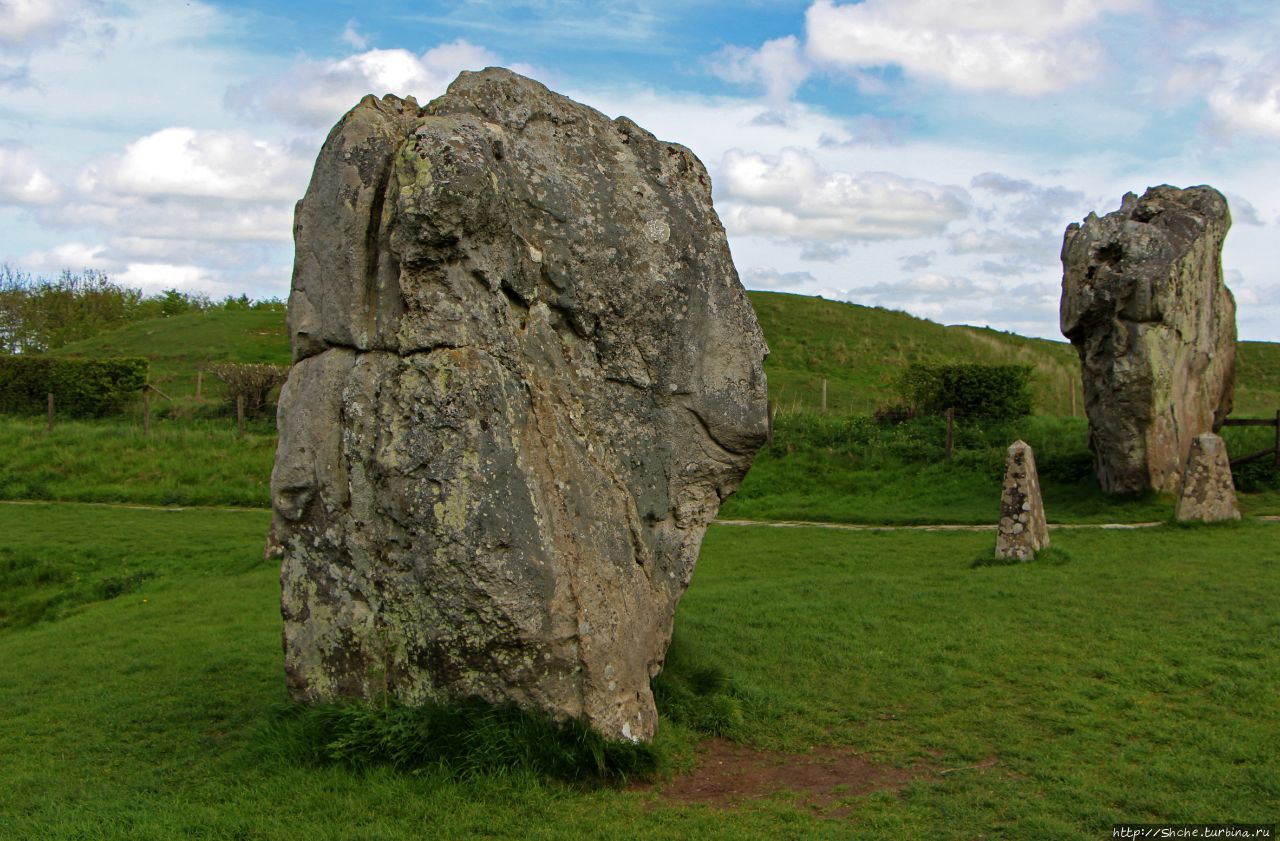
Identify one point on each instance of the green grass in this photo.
(861, 350)
(822, 468)
(1257, 379)
(180, 463)
(1133, 681)
(816, 470)
(467, 739)
(180, 345)
(858, 350)
(851, 470)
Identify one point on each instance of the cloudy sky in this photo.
(924, 155)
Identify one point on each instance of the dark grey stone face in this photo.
(526, 375)
(1144, 303)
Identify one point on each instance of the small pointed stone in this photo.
(1022, 531)
(1208, 491)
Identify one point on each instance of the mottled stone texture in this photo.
(1208, 491)
(1144, 303)
(526, 376)
(1022, 531)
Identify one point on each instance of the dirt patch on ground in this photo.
(729, 775)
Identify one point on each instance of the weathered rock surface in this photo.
(1208, 491)
(1022, 531)
(1144, 303)
(526, 376)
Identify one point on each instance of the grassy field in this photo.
(824, 468)
(181, 345)
(1131, 676)
(858, 350)
(829, 468)
(851, 470)
(1133, 679)
(861, 350)
(190, 462)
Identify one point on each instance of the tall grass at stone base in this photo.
(466, 739)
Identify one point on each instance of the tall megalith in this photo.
(526, 375)
(1144, 303)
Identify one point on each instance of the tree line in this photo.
(41, 313)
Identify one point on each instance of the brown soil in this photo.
(728, 775)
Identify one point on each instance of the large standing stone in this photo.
(1022, 531)
(526, 376)
(1144, 303)
(1208, 491)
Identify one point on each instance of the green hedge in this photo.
(80, 387)
(972, 389)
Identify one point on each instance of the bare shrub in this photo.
(252, 380)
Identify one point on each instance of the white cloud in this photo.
(1023, 47)
(767, 277)
(68, 255)
(353, 37)
(181, 207)
(316, 93)
(1025, 204)
(181, 192)
(186, 222)
(778, 66)
(868, 130)
(155, 277)
(15, 76)
(1242, 211)
(1249, 103)
(28, 23)
(915, 262)
(22, 181)
(156, 265)
(1017, 253)
(195, 163)
(822, 252)
(28, 27)
(924, 287)
(791, 195)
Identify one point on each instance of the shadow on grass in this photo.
(473, 738)
(1049, 556)
(467, 740)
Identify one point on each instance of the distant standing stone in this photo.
(1023, 530)
(1208, 491)
(1144, 303)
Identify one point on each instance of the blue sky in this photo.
(924, 155)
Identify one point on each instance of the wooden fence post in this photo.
(1071, 386)
(769, 430)
(824, 395)
(951, 420)
(240, 413)
(49, 428)
(146, 411)
(199, 384)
